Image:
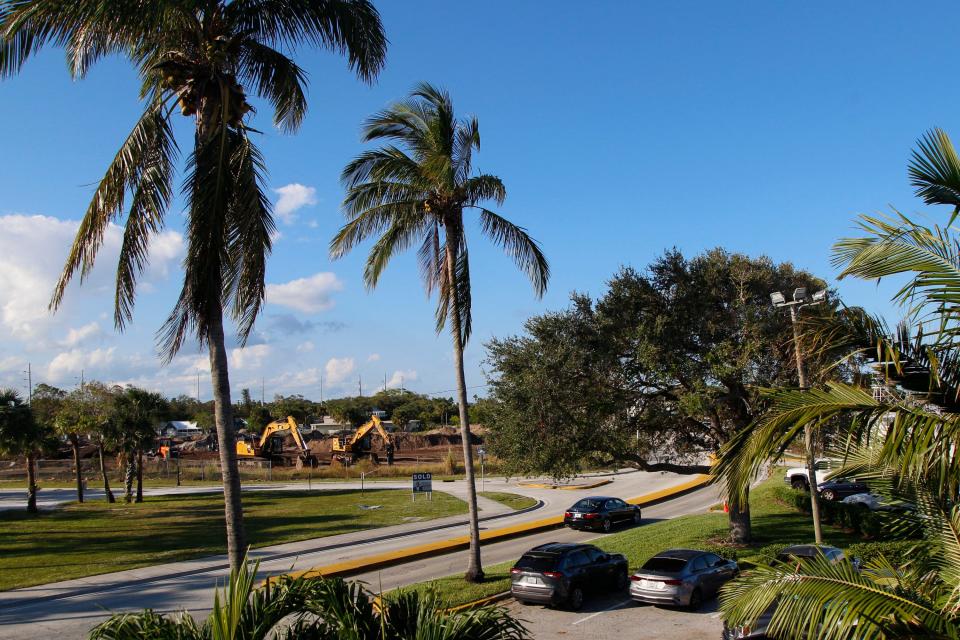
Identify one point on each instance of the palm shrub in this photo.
(22, 435)
(201, 58)
(907, 437)
(314, 609)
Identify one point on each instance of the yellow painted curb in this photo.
(565, 487)
(430, 549)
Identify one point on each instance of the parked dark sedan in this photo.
(600, 513)
(840, 488)
(681, 577)
(563, 574)
(789, 555)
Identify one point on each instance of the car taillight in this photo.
(673, 582)
(556, 575)
(568, 514)
(636, 578)
(591, 516)
(515, 570)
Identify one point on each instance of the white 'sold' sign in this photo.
(423, 483)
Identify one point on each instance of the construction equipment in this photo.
(350, 448)
(270, 445)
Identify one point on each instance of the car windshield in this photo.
(537, 563)
(587, 504)
(667, 565)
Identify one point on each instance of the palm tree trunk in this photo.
(226, 439)
(75, 445)
(739, 517)
(130, 470)
(474, 567)
(103, 472)
(140, 474)
(31, 482)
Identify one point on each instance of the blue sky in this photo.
(620, 130)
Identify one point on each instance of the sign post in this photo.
(483, 454)
(422, 483)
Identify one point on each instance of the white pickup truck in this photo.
(797, 477)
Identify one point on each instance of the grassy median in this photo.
(773, 522)
(95, 537)
(513, 500)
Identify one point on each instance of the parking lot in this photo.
(615, 616)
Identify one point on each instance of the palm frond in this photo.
(278, 79)
(144, 164)
(934, 171)
(348, 27)
(816, 599)
(520, 246)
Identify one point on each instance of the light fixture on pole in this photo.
(799, 301)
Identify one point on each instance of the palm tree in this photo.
(134, 412)
(21, 435)
(203, 56)
(908, 437)
(418, 194)
(317, 609)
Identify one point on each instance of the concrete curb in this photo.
(497, 597)
(428, 550)
(565, 487)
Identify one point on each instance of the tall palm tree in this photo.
(418, 193)
(201, 56)
(909, 437)
(317, 609)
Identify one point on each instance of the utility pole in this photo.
(262, 386)
(360, 385)
(321, 388)
(198, 386)
(800, 300)
(29, 385)
(384, 383)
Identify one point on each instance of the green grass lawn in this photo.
(512, 500)
(96, 537)
(773, 522)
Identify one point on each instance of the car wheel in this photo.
(623, 580)
(828, 495)
(799, 483)
(575, 600)
(636, 517)
(696, 600)
(606, 525)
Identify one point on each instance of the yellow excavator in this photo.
(350, 448)
(270, 445)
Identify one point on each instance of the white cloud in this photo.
(79, 335)
(309, 295)
(373, 357)
(72, 362)
(305, 347)
(401, 377)
(31, 252)
(337, 369)
(293, 197)
(249, 357)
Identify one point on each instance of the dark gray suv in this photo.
(563, 574)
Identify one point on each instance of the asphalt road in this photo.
(75, 606)
(616, 616)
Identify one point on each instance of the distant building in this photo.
(180, 429)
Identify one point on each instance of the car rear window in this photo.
(537, 563)
(669, 565)
(587, 505)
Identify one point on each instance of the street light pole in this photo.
(800, 300)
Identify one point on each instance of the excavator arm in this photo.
(282, 425)
(374, 424)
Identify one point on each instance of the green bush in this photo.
(897, 552)
(768, 552)
(853, 517)
(722, 550)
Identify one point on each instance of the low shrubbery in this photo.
(852, 517)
